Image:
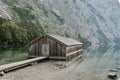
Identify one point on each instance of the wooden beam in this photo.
(56, 57)
(72, 53)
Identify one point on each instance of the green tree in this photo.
(12, 34)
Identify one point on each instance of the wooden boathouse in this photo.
(55, 47)
(47, 46)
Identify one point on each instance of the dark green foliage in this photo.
(67, 35)
(11, 34)
(61, 19)
(42, 7)
(85, 42)
(29, 21)
(25, 15)
(19, 33)
(15, 35)
(25, 28)
(9, 2)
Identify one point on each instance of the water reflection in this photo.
(98, 61)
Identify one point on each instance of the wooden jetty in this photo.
(12, 66)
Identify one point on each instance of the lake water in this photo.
(11, 55)
(97, 61)
(95, 65)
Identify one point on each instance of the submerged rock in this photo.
(2, 73)
(112, 75)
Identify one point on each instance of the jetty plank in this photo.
(15, 65)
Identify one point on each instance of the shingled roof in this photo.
(64, 40)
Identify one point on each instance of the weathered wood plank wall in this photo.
(57, 50)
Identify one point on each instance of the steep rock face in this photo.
(93, 20)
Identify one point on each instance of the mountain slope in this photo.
(92, 20)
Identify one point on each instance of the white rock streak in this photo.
(2, 8)
(119, 1)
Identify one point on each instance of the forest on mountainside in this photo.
(13, 35)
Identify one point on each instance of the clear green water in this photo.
(8, 56)
(97, 62)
